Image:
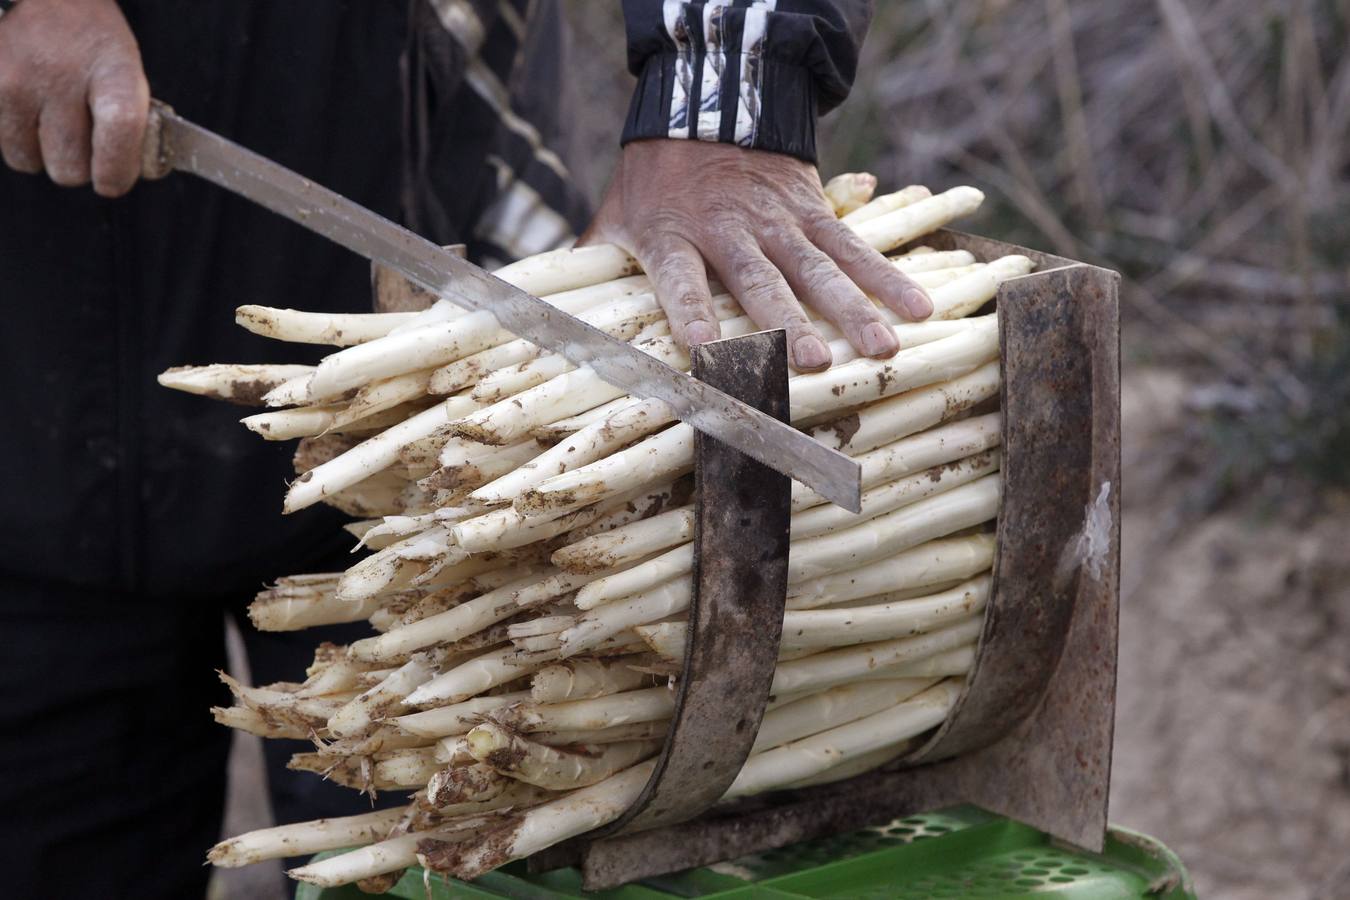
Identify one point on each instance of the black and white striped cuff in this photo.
(718, 85)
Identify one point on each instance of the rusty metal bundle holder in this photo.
(1030, 738)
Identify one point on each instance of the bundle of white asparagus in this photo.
(531, 531)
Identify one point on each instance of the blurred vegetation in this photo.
(1200, 147)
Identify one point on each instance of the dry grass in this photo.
(1200, 148)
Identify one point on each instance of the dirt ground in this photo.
(1233, 723)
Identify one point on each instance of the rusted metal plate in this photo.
(1047, 402)
(742, 517)
(1031, 737)
(1033, 732)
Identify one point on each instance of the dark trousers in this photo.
(113, 772)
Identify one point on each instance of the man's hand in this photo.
(73, 95)
(761, 222)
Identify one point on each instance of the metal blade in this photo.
(191, 148)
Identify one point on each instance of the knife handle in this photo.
(155, 162)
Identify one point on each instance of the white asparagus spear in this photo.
(608, 620)
(288, 424)
(891, 229)
(465, 783)
(549, 767)
(483, 672)
(555, 271)
(933, 517)
(831, 708)
(643, 705)
(569, 393)
(252, 721)
(273, 610)
(865, 762)
(397, 564)
(942, 447)
(555, 431)
(891, 419)
(433, 344)
(936, 447)
(610, 549)
(386, 699)
(850, 191)
(543, 826)
(381, 395)
(467, 618)
(539, 627)
(389, 855)
(890, 496)
(669, 453)
(405, 769)
(459, 478)
(334, 329)
(507, 528)
(642, 577)
(931, 563)
(464, 372)
(639, 418)
(426, 346)
(304, 838)
(623, 320)
(931, 260)
(457, 718)
(676, 526)
(633, 731)
(581, 679)
(821, 628)
(821, 670)
(867, 380)
(886, 203)
(812, 755)
(373, 455)
(291, 392)
(591, 807)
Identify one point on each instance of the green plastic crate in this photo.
(958, 853)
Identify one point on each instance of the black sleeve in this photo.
(754, 73)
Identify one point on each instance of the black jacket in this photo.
(753, 72)
(428, 113)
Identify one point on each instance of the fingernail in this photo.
(700, 332)
(810, 352)
(878, 340)
(917, 304)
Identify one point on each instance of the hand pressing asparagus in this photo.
(529, 573)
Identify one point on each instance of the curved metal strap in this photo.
(740, 587)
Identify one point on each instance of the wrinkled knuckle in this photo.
(818, 275)
(688, 300)
(662, 244)
(853, 251)
(761, 281)
(118, 115)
